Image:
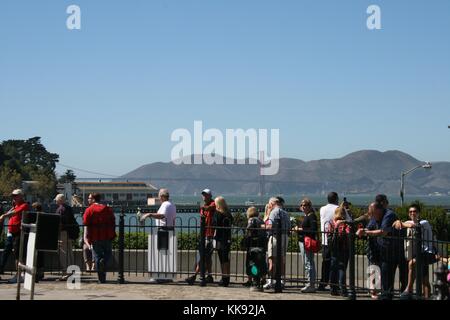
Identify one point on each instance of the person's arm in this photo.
(85, 237)
(7, 215)
(374, 233)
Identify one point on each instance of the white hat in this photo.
(60, 197)
(207, 191)
(17, 192)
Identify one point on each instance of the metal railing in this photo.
(351, 261)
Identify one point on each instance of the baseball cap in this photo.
(17, 192)
(207, 191)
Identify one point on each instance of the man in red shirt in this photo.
(100, 223)
(15, 221)
(207, 211)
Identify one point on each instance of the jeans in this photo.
(326, 264)
(338, 272)
(388, 267)
(102, 254)
(310, 265)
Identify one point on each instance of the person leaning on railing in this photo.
(14, 224)
(386, 246)
(429, 254)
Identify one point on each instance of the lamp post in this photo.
(427, 165)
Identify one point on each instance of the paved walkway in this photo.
(138, 288)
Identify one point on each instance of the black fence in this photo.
(346, 262)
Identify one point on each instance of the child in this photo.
(255, 242)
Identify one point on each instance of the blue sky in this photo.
(107, 97)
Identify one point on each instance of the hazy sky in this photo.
(107, 97)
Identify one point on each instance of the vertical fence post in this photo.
(121, 278)
(419, 261)
(202, 251)
(279, 262)
(352, 291)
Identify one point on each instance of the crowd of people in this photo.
(389, 244)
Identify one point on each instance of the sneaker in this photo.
(256, 289)
(153, 281)
(209, 279)
(248, 284)
(191, 280)
(269, 285)
(308, 290)
(334, 293)
(322, 288)
(224, 282)
(406, 295)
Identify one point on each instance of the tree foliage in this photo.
(25, 160)
(9, 180)
(68, 177)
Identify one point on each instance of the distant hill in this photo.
(361, 172)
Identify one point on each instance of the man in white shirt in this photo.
(165, 218)
(167, 213)
(326, 217)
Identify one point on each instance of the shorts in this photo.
(428, 259)
(273, 246)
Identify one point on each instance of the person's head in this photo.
(164, 195)
(94, 198)
(281, 201)
(221, 204)
(17, 196)
(383, 200)
(340, 214)
(376, 211)
(333, 198)
(37, 207)
(207, 195)
(252, 212)
(60, 199)
(306, 205)
(414, 212)
(273, 203)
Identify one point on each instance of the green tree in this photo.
(68, 177)
(9, 180)
(28, 157)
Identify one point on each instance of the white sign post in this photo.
(162, 264)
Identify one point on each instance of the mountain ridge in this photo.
(364, 171)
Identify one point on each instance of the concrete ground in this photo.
(138, 288)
